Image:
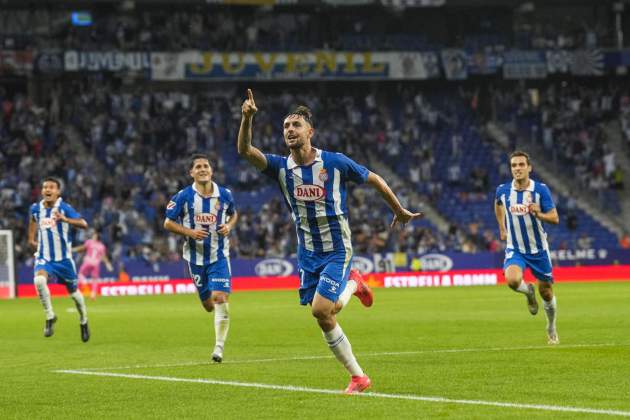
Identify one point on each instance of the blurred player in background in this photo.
(95, 252)
(520, 208)
(52, 219)
(313, 183)
(204, 214)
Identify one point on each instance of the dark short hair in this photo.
(304, 112)
(52, 179)
(519, 153)
(196, 156)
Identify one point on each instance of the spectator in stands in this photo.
(454, 173)
(584, 241)
(135, 130)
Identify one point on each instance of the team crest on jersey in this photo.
(323, 175)
(171, 205)
(527, 197)
(205, 219)
(217, 206)
(308, 192)
(519, 209)
(47, 223)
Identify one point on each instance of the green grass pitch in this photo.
(464, 347)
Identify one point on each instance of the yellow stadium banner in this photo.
(317, 64)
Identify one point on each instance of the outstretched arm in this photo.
(108, 263)
(79, 223)
(550, 217)
(245, 148)
(401, 215)
(79, 248)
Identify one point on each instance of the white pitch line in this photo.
(291, 388)
(375, 354)
(481, 349)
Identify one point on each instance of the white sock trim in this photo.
(550, 312)
(41, 285)
(333, 336)
(79, 302)
(221, 322)
(342, 349)
(551, 303)
(523, 288)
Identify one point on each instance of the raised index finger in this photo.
(250, 95)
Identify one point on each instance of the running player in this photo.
(313, 183)
(95, 252)
(204, 214)
(52, 219)
(520, 208)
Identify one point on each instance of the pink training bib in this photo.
(94, 252)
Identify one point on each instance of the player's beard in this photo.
(298, 143)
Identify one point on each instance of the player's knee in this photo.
(208, 305)
(513, 276)
(546, 293)
(40, 280)
(219, 298)
(338, 307)
(321, 313)
(512, 281)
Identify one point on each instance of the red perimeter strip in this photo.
(456, 278)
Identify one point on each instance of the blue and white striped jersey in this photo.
(525, 233)
(54, 240)
(194, 210)
(316, 197)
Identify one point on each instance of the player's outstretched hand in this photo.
(57, 216)
(404, 217)
(224, 230)
(249, 106)
(534, 209)
(199, 234)
(502, 235)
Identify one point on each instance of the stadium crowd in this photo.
(624, 119)
(569, 121)
(291, 28)
(121, 155)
